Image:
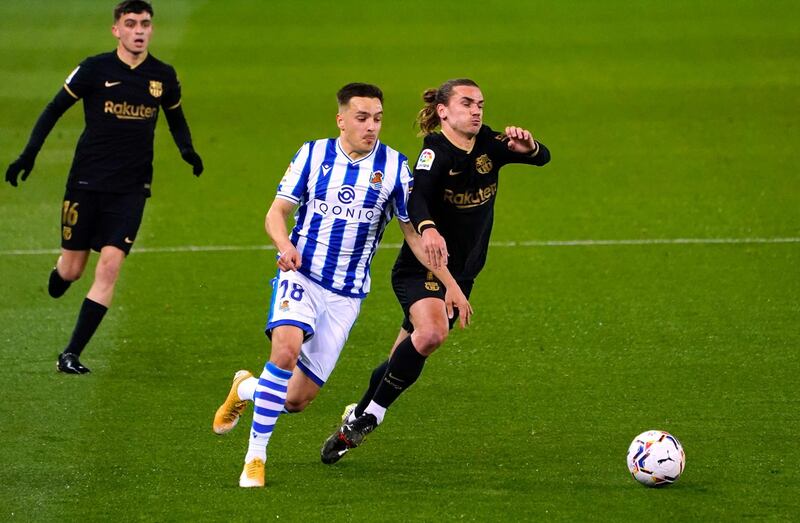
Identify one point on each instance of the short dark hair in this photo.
(132, 6)
(358, 89)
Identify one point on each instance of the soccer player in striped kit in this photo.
(456, 179)
(342, 192)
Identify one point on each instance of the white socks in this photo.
(247, 389)
(376, 410)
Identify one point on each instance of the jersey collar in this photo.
(125, 65)
(356, 162)
(452, 143)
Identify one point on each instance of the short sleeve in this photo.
(294, 181)
(402, 189)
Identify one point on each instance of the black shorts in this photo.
(410, 287)
(92, 220)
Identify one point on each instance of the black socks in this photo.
(404, 367)
(57, 285)
(88, 319)
(374, 381)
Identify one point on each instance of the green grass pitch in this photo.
(666, 120)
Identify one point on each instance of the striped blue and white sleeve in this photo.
(402, 189)
(294, 181)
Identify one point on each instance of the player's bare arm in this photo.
(454, 296)
(275, 225)
(435, 248)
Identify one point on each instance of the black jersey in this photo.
(456, 190)
(121, 106)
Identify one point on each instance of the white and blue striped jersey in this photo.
(344, 207)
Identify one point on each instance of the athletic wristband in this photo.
(425, 224)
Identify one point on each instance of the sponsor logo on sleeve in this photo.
(69, 78)
(425, 161)
(286, 174)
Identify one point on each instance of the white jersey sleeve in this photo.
(402, 189)
(293, 185)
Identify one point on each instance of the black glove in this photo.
(23, 164)
(193, 159)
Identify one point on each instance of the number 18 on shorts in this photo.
(324, 316)
(293, 303)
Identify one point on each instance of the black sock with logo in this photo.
(404, 368)
(374, 381)
(88, 320)
(57, 285)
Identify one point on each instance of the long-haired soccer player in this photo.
(452, 208)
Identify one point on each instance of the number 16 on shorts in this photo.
(294, 302)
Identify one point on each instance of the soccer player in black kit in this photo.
(452, 208)
(123, 91)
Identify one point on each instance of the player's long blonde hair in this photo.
(428, 118)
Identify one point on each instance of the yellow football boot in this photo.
(227, 415)
(252, 474)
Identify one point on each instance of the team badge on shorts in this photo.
(483, 163)
(376, 180)
(425, 161)
(284, 306)
(431, 285)
(156, 88)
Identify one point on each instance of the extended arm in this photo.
(275, 224)
(527, 150)
(183, 138)
(47, 120)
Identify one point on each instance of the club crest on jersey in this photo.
(483, 163)
(376, 180)
(284, 306)
(156, 88)
(425, 161)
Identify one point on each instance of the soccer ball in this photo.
(656, 458)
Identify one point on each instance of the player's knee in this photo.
(70, 272)
(108, 271)
(286, 343)
(429, 339)
(294, 405)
